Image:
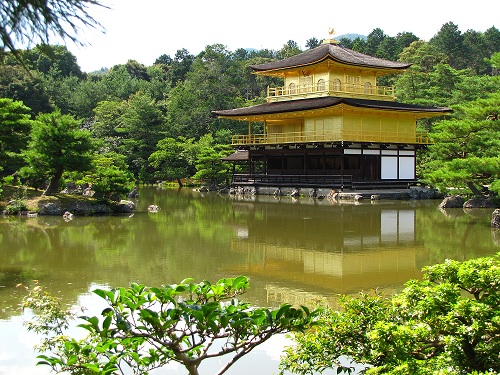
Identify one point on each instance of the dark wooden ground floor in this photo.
(353, 166)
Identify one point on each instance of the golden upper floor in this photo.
(330, 70)
(351, 87)
(332, 119)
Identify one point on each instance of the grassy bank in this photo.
(15, 199)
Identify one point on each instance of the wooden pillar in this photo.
(282, 163)
(324, 162)
(305, 161)
(342, 156)
(363, 163)
(397, 165)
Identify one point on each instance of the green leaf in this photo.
(240, 282)
(106, 323)
(92, 367)
(101, 293)
(72, 360)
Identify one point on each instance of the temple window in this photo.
(337, 85)
(306, 83)
(321, 85)
(352, 82)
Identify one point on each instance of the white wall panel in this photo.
(407, 168)
(389, 168)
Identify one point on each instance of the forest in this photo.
(131, 124)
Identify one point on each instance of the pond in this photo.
(293, 250)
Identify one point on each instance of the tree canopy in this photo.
(15, 127)
(57, 144)
(143, 328)
(464, 154)
(447, 323)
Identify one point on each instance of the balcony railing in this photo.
(338, 136)
(330, 88)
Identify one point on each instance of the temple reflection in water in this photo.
(320, 251)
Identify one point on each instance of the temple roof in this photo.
(333, 51)
(238, 155)
(324, 102)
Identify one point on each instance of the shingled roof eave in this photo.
(324, 58)
(268, 108)
(238, 155)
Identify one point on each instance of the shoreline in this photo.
(414, 192)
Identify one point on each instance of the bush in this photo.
(447, 323)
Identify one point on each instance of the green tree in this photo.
(164, 60)
(312, 43)
(15, 126)
(494, 61)
(492, 39)
(210, 84)
(464, 153)
(252, 87)
(476, 50)
(471, 87)
(158, 85)
(107, 116)
(118, 83)
(373, 41)
(180, 66)
(423, 54)
(145, 328)
(387, 49)
(346, 42)
(109, 176)
(53, 59)
(404, 40)
(20, 84)
(87, 93)
(172, 159)
(359, 44)
(291, 48)
(450, 41)
(447, 323)
(431, 81)
(141, 125)
(61, 91)
(209, 166)
(57, 145)
(36, 22)
(137, 70)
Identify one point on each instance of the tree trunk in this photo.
(474, 189)
(193, 370)
(54, 182)
(179, 182)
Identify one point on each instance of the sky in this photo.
(146, 29)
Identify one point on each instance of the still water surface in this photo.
(294, 251)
